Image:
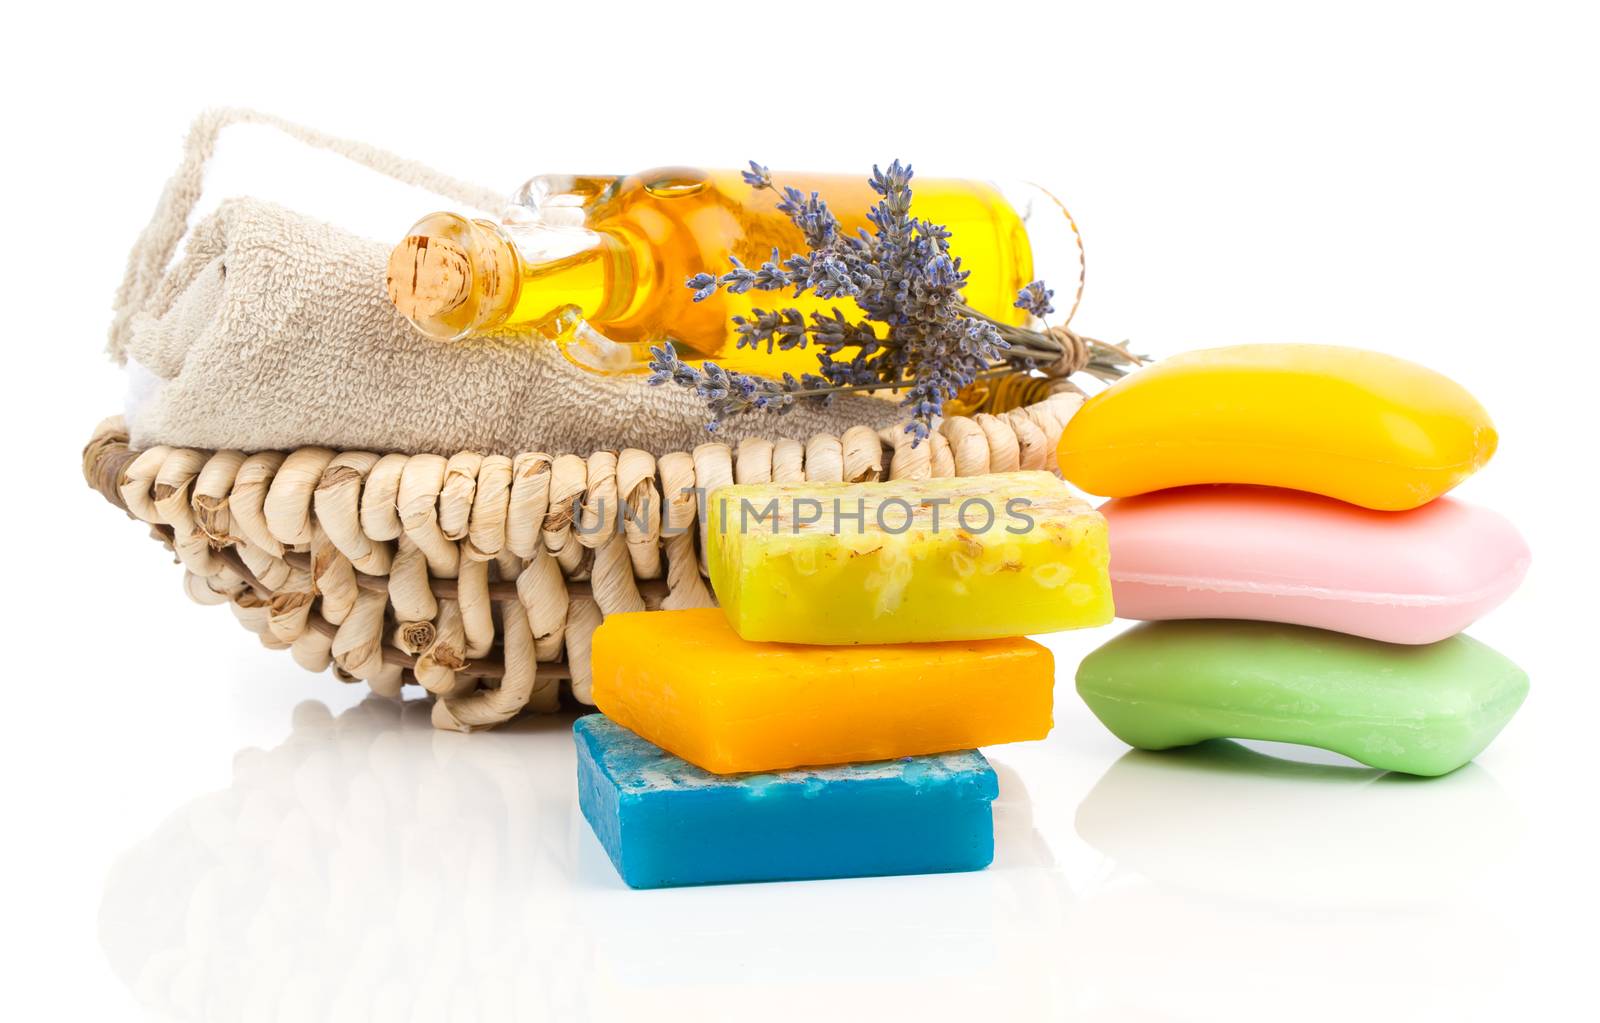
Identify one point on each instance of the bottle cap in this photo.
(428, 276)
(453, 277)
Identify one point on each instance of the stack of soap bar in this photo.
(1298, 484)
(665, 822)
(869, 628)
(907, 561)
(1419, 709)
(686, 682)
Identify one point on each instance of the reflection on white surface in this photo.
(368, 867)
(1275, 888)
(372, 868)
(1222, 819)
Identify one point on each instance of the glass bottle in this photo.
(598, 264)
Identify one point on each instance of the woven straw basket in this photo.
(481, 578)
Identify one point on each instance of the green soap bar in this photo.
(1418, 709)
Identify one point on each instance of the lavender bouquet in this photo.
(902, 276)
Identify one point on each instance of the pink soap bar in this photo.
(1273, 555)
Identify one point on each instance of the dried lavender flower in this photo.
(782, 329)
(704, 286)
(757, 176)
(1035, 298)
(928, 342)
(740, 279)
(727, 393)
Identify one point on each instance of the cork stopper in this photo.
(453, 277)
(428, 277)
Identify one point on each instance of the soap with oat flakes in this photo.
(907, 561)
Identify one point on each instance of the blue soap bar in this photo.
(665, 822)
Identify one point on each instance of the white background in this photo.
(197, 829)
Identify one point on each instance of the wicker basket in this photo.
(481, 578)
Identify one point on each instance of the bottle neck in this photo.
(567, 268)
(453, 277)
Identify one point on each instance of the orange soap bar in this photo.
(1361, 427)
(685, 681)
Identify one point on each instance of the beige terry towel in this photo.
(272, 331)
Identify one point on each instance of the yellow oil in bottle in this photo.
(598, 264)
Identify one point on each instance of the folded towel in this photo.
(272, 330)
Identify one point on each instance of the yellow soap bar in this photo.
(1359, 426)
(684, 681)
(907, 561)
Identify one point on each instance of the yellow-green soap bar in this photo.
(907, 561)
